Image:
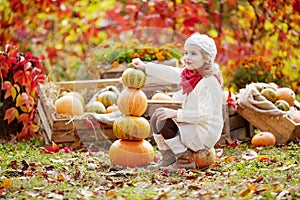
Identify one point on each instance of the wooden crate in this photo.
(281, 126)
(68, 130)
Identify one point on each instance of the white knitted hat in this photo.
(204, 42)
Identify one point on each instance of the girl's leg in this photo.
(167, 155)
(167, 128)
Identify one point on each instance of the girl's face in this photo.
(193, 57)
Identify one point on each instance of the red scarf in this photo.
(189, 80)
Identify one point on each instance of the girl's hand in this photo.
(165, 113)
(138, 63)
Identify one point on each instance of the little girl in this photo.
(184, 135)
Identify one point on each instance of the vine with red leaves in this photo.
(20, 75)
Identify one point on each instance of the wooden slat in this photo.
(237, 121)
(44, 122)
(281, 126)
(88, 84)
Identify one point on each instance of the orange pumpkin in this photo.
(161, 96)
(133, 78)
(204, 159)
(286, 94)
(132, 102)
(131, 153)
(131, 128)
(69, 105)
(263, 139)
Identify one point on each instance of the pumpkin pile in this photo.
(284, 99)
(131, 149)
(71, 103)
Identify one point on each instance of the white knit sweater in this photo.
(200, 120)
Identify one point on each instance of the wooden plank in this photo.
(65, 136)
(226, 127)
(239, 134)
(42, 130)
(44, 122)
(280, 126)
(88, 84)
(44, 106)
(237, 121)
(296, 132)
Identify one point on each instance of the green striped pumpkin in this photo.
(133, 78)
(131, 128)
(282, 105)
(108, 98)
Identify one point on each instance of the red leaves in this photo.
(21, 74)
(191, 21)
(11, 114)
(25, 102)
(54, 148)
(231, 102)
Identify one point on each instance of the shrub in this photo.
(257, 69)
(20, 75)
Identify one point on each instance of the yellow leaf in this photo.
(60, 177)
(110, 193)
(13, 93)
(18, 100)
(7, 183)
(213, 33)
(268, 26)
(17, 87)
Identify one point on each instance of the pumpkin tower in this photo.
(131, 149)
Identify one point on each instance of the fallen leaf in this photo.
(282, 194)
(250, 155)
(7, 183)
(110, 193)
(54, 196)
(286, 167)
(219, 153)
(247, 191)
(264, 158)
(54, 148)
(86, 193)
(60, 177)
(227, 159)
(258, 179)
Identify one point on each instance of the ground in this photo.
(240, 172)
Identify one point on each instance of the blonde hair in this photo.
(210, 67)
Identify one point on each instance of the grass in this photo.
(242, 172)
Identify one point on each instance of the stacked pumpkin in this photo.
(131, 149)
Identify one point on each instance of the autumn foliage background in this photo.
(64, 32)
